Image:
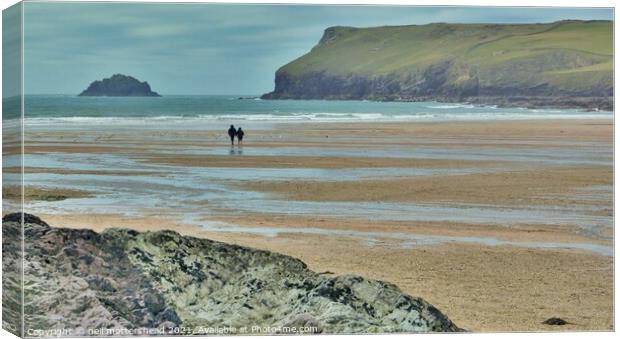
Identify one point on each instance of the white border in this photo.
(480, 3)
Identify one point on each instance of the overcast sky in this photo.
(207, 48)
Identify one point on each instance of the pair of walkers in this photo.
(232, 133)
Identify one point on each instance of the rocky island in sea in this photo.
(119, 85)
(560, 64)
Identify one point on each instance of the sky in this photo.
(210, 48)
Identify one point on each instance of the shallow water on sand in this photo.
(406, 240)
(180, 175)
(195, 194)
(192, 194)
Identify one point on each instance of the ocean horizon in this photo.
(50, 109)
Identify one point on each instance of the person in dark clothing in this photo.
(240, 134)
(231, 133)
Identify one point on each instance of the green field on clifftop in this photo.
(568, 55)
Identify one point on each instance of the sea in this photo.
(202, 109)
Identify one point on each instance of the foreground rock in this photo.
(119, 85)
(124, 279)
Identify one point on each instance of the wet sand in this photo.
(514, 187)
(310, 162)
(33, 193)
(71, 171)
(553, 165)
(520, 131)
(534, 233)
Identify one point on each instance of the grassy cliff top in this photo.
(404, 49)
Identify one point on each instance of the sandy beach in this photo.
(500, 224)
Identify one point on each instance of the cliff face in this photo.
(119, 85)
(80, 279)
(566, 63)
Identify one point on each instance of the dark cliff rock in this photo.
(323, 86)
(120, 278)
(119, 85)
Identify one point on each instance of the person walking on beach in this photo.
(240, 134)
(231, 133)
